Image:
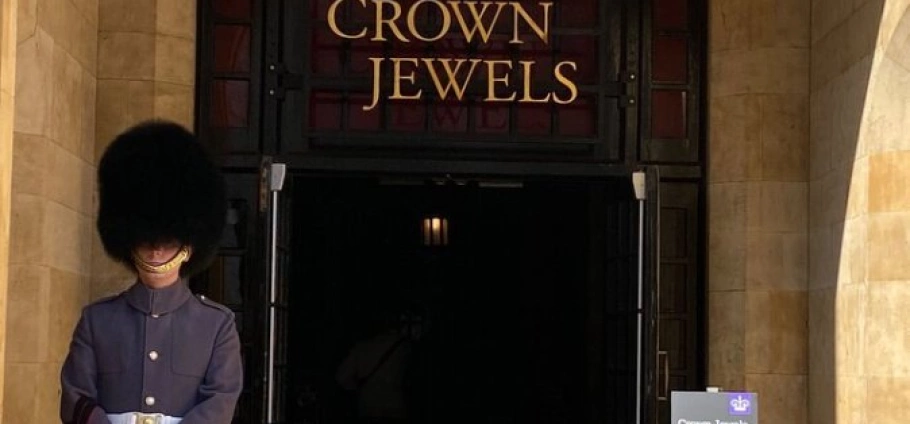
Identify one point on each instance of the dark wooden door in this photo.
(271, 83)
(679, 359)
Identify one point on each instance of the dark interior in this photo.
(528, 310)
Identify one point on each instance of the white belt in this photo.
(140, 418)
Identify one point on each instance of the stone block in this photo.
(888, 246)
(886, 340)
(126, 55)
(777, 261)
(30, 155)
(735, 138)
(784, 137)
(28, 315)
(175, 60)
(177, 18)
(33, 84)
(782, 398)
(726, 333)
(128, 16)
(776, 332)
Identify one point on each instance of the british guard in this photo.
(156, 354)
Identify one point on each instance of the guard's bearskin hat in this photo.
(157, 184)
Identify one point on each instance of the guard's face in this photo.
(158, 264)
(159, 253)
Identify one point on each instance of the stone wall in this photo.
(7, 96)
(51, 219)
(84, 70)
(757, 202)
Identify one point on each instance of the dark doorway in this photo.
(526, 309)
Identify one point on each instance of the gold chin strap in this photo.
(182, 256)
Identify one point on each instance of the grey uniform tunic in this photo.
(154, 351)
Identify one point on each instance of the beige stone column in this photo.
(8, 16)
(757, 202)
(146, 69)
(51, 206)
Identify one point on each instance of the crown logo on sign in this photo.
(739, 404)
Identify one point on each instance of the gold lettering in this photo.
(453, 83)
(377, 73)
(528, 66)
(543, 33)
(381, 20)
(398, 77)
(492, 79)
(479, 25)
(333, 21)
(443, 29)
(573, 89)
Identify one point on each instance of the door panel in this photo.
(679, 289)
(653, 390)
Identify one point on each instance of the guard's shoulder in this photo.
(105, 299)
(98, 306)
(205, 301)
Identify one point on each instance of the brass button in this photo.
(148, 421)
(155, 315)
(153, 355)
(149, 401)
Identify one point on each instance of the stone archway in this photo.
(858, 365)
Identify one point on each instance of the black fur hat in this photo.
(156, 183)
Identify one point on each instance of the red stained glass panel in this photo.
(320, 9)
(232, 48)
(359, 14)
(579, 118)
(671, 15)
(327, 53)
(496, 48)
(534, 119)
(451, 46)
(363, 120)
(325, 111)
(407, 116)
(449, 116)
(542, 56)
(670, 59)
(668, 114)
(491, 118)
(361, 52)
(232, 9)
(583, 51)
(230, 104)
(578, 14)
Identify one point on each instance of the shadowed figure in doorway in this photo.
(376, 367)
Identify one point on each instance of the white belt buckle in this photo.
(141, 418)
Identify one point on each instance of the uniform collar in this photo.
(158, 301)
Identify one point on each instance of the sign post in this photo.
(713, 407)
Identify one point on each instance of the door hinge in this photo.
(629, 97)
(279, 80)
